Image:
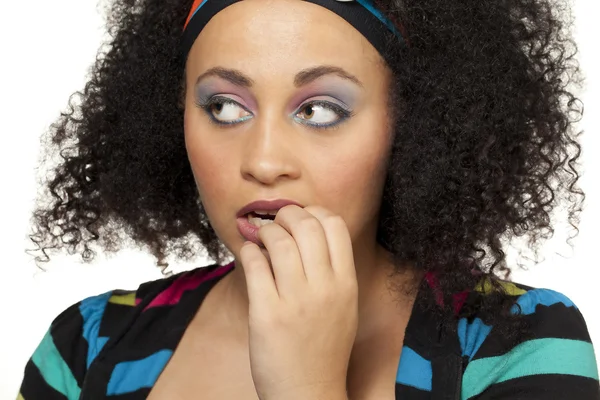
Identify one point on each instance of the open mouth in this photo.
(260, 219)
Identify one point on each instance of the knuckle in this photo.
(319, 210)
(310, 225)
(284, 243)
(302, 310)
(249, 256)
(335, 221)
(286, 209)
(329, 298)
(325, 296)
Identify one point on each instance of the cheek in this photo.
(207, 163)
(360, 160)
(353, 182)
(356, 175)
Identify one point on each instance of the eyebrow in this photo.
(231, 75)
(302, 78)
(309, 75)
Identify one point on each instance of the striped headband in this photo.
(361, 14)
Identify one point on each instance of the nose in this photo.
(270, 151)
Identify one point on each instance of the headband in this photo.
(361, 14)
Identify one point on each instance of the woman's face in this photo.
(286, 100)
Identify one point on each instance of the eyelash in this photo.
(342, 113)
(205, 106)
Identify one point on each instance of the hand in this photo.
(303, 312)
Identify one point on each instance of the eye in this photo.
(225, 111)
(322, 114)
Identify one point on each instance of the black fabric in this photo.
(199, 21)
(356, 15)
(411, 393)
(36, 387)
(447, 377)
(137, 395)
(73, 347)
(554, 321)
(142, 331)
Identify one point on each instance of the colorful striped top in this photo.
(88, 351)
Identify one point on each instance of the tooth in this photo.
(265, 212)
(259, 221)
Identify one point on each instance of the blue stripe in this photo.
(549, 356)
(92, 310)
(544, 297)
(100, 342)
(130, 376)
(472, 335)
(414, 370)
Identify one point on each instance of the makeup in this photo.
(323, 103)
(338, 90)
(210, 86)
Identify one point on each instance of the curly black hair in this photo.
(485, 141)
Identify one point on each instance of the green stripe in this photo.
(54, 369)
(534, 357)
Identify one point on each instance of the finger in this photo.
(284, 258)
(311, 241)
(338, 240)
(259, 278)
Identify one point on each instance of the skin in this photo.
(309, 315)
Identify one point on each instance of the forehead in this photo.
(260, 36)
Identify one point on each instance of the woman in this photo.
(360, 162)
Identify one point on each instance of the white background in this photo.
(46, 48)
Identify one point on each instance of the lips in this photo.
(265, 205)
(250, 231)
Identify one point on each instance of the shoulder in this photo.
(77, 335)
(58, 365)
(97, 318)
(553, 356)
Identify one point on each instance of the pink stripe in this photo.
(187, 281)
(458, 299)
